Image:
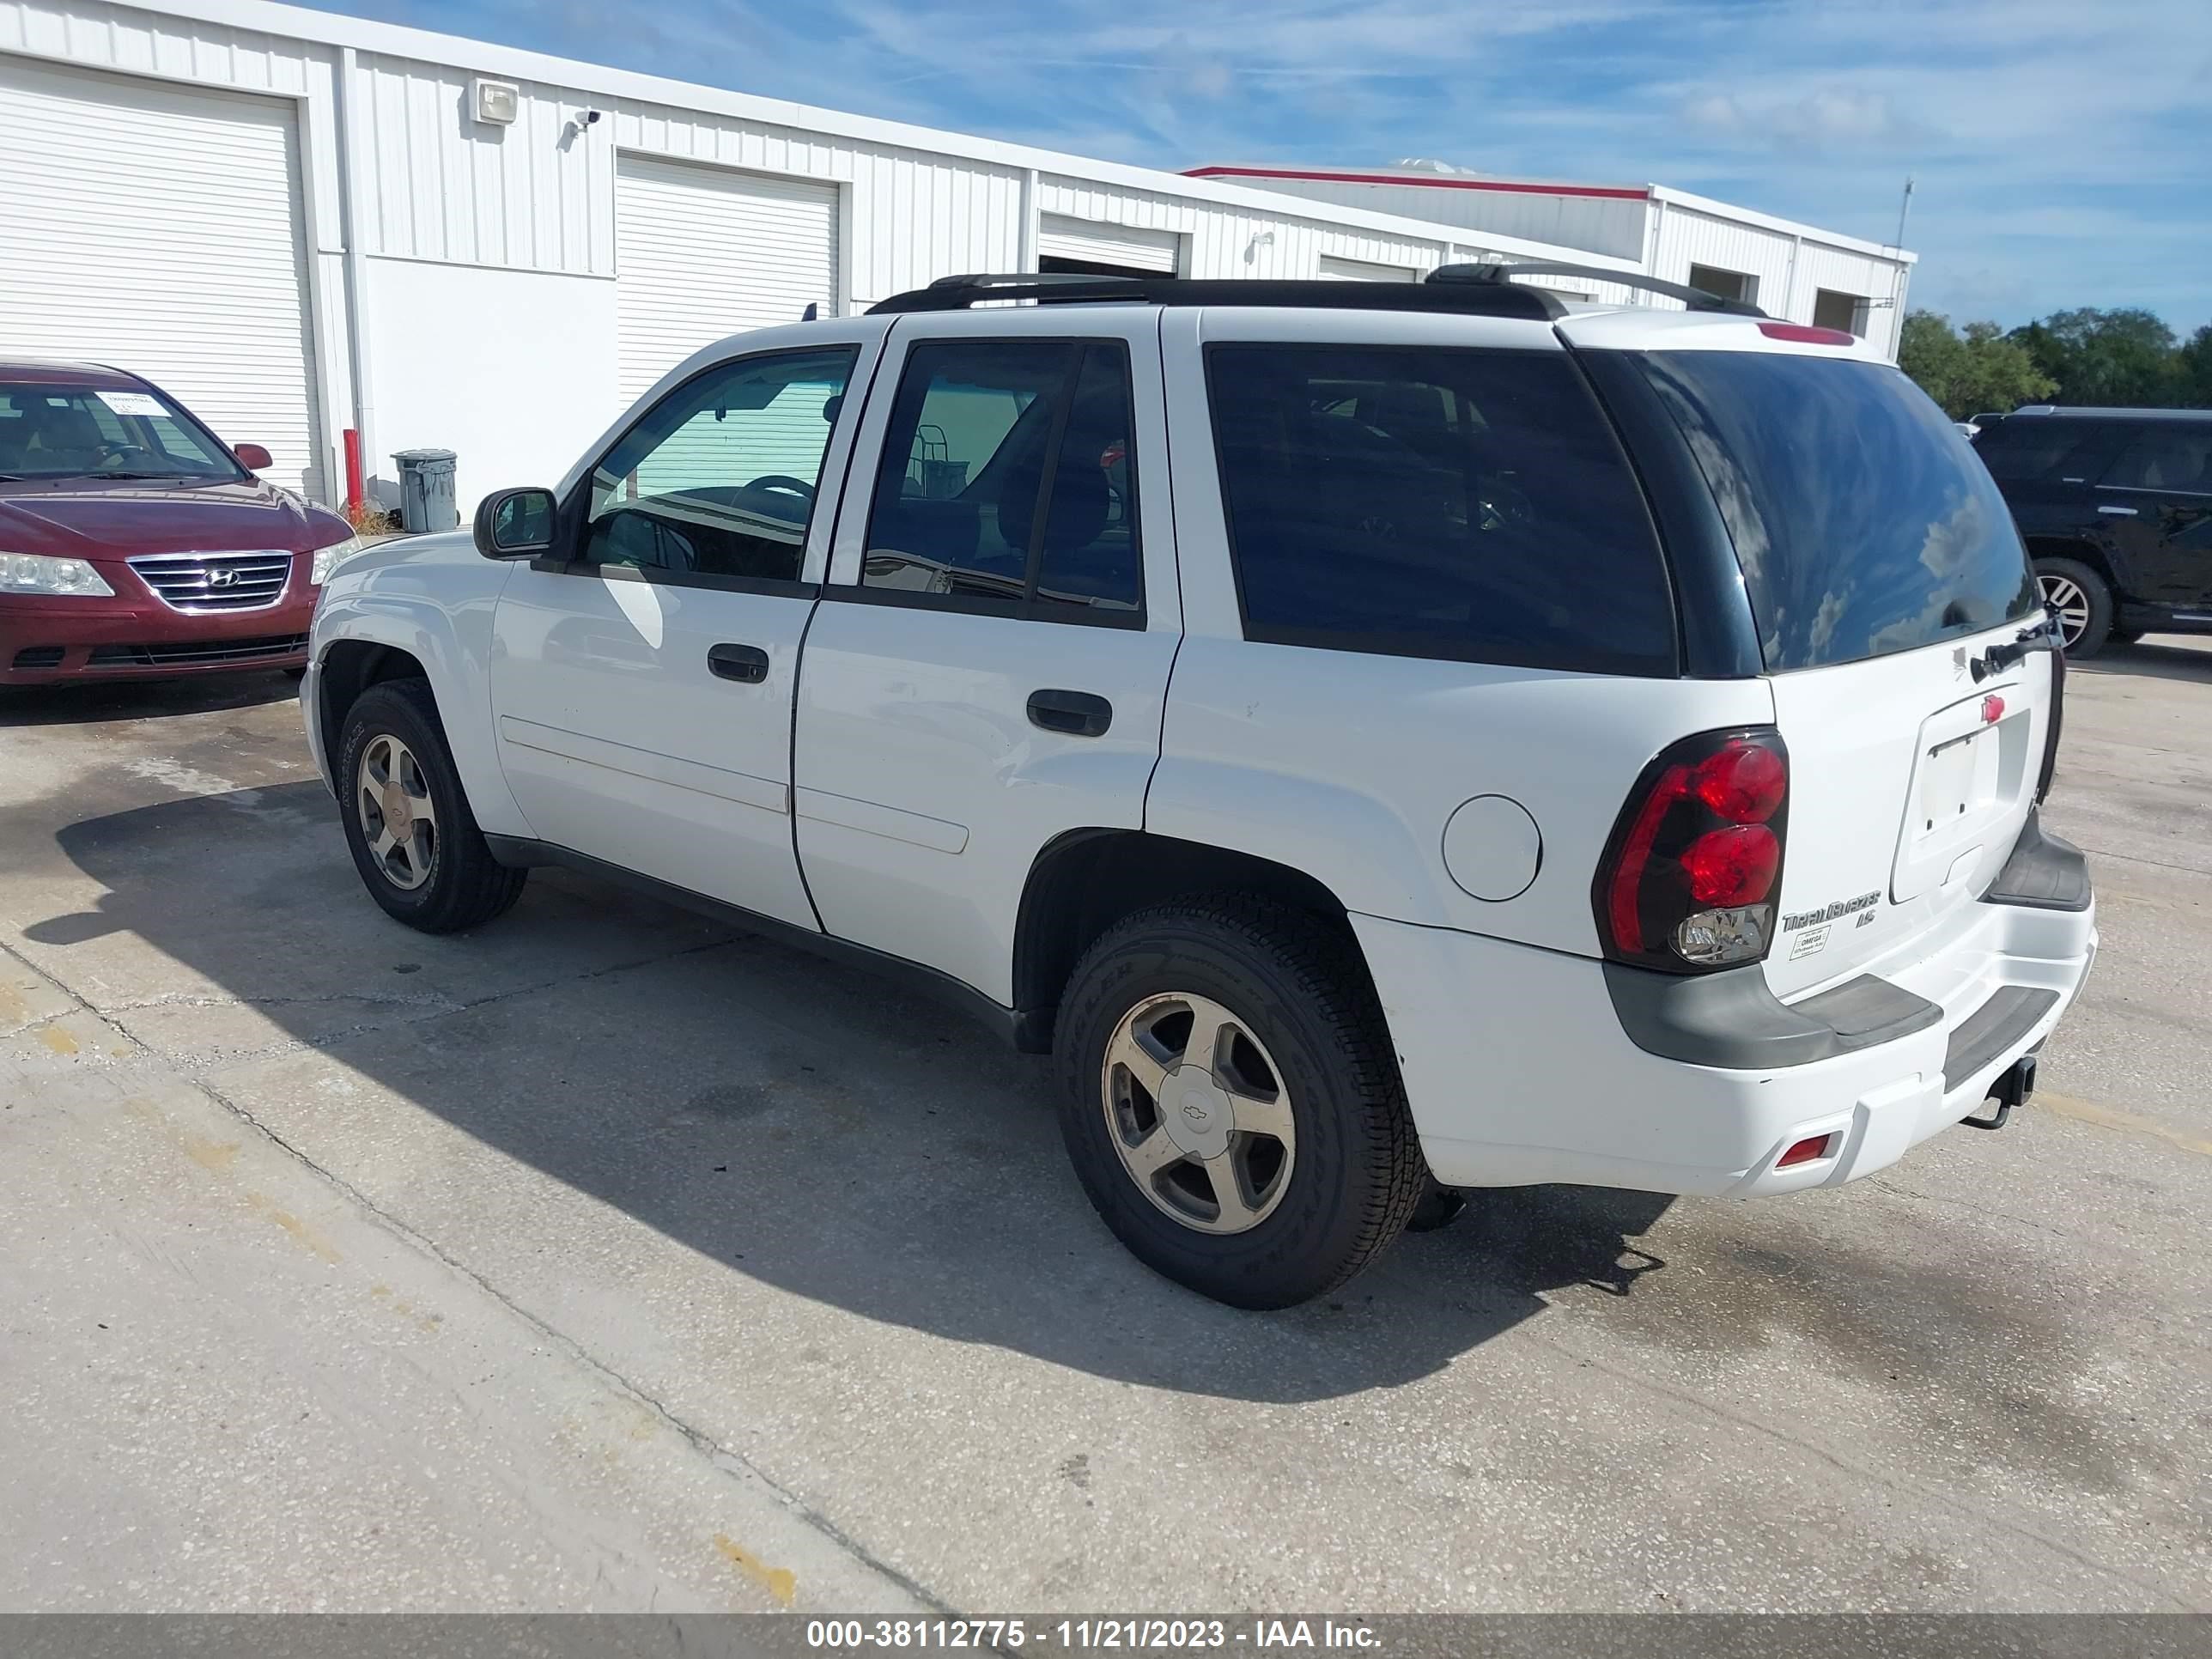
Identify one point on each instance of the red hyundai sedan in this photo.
(133, 542)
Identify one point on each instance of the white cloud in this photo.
(1837, 117)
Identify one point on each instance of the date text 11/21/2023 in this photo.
(1255, 1635)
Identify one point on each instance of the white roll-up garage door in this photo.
(1124, 246)
(702, 252)
(157, 227)
(1336, 270)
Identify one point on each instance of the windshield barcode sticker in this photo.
(134, 403)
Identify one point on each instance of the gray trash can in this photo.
(426, 489)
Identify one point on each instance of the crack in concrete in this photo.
(1842, 1465)
(1885, 1184)
(188, 1000)
(722, 1457)
(728, 1462)
(196, 1065)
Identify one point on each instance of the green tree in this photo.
(2122, 359)
(2194, 380)
(1966, 372)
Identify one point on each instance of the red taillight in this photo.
(1806, 334)
(1635, 856)
(1735, 865)
(1742, 782)
(1697, 853)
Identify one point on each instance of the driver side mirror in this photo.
(515, 524)
(253, 457)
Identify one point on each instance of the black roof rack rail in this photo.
(1494, 275)
(1066, 287)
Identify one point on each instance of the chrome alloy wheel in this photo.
(398, 820)
(2066, 601)
(1198, 1111)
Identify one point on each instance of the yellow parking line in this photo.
(2111, 1118)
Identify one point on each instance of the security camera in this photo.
(590, 118)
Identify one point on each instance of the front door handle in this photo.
(2109, 507)
(747, 664)
(1077, 713)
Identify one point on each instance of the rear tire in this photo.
(433, 870)
(2078, 597)
(1319, 1147)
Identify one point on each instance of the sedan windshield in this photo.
(59, 430)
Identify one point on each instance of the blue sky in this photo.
(2063, 149)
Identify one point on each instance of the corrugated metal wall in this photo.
(439, 185)
(1790, 269)
(1687, 237)
(435, 183)
(432, 184)
(1594, 224)
(1875, 280)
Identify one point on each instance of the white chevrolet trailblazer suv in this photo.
(1380, 741)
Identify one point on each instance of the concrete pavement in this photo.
(608, 1259)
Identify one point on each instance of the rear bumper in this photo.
(44, 641)
(1519, 1069)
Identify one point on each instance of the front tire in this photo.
(1231, 1100)
(2079, 599)
(407, 819)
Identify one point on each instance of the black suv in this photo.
(2116, 507)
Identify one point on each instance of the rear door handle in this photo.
(1078, 714)
(747, 664)
(2109, 507)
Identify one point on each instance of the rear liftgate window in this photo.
(1468, 505)
(1864, 522)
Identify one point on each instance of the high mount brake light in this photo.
(1695, 857)
(1808, 334)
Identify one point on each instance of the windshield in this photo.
(1864, 522)
(58, 430)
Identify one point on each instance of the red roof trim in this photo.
(1607, 192)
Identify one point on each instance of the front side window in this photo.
(1007, 481)
(719, 479)
(65, 431)
(1468, 505)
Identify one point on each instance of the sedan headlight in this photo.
(328, 559)
(34, 573)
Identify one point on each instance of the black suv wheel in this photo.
(1232, 1102)
(2078, 598)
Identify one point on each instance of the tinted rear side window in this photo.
(2035, 450)
(1864, 522)
(2173, 455)
(1468, 505)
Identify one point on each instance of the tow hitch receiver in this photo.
(2011, 1088)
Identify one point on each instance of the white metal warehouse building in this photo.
(303, 224)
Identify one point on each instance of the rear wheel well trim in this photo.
(1081, 883)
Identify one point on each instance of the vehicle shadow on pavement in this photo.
(96, 701)
(798, 1123)
(2148, 661)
